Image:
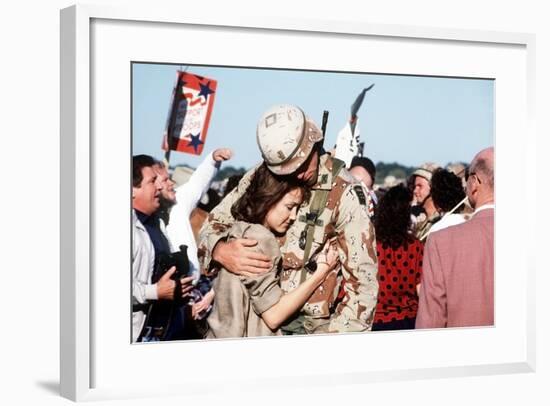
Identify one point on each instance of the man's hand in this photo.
(238, 257)
(166, 286)
(186, 286)
(222, 154)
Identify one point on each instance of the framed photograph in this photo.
(101, 47)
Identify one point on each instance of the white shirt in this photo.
(179, 231)
(449, 220)
(143, 258)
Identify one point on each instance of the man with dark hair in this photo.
(447, 194)
(458, 273)
(363, 169)
(175, 210)
(148, 244)
(291, 145)
(178, 203)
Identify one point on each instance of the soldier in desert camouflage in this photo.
(422, 194)
(291, 145)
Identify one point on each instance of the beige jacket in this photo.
(241, 300)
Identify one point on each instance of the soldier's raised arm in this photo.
(235, 256)
(359, 263)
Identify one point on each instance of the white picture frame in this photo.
(80, 351)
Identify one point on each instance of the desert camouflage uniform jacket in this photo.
(423, 227)
(346, 218)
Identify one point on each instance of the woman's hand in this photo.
(202, 306)
(328, 257)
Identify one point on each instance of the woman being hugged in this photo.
(255, 305)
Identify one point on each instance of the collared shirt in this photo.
(142, 270)
(162, 246)
(484, 207)
(152, 225)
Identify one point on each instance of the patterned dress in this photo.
(399, 271)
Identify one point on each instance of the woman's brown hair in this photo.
(265, 190)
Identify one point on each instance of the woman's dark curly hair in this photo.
(393, 217)
(447, 190)
(264, 191)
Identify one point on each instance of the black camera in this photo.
(162, 314)
(178, 259)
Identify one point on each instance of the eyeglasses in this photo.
(468, 174)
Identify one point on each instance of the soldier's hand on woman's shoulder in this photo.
(239, 257)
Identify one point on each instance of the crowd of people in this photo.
(303, 244)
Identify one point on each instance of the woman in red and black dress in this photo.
(399, 262)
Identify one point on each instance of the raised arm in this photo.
(189, 194)
(357, 246)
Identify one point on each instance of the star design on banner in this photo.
(205, 90)
(195, 141)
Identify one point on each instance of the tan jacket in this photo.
(241, 300)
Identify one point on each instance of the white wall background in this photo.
(29, 202)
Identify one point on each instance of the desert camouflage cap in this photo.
(426, 170)
(286, 137)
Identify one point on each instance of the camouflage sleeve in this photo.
(218, 223)
(357, 245)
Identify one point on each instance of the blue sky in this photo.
(404, 119)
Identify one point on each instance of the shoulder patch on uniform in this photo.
(360, 194)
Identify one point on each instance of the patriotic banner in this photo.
(189, 115)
